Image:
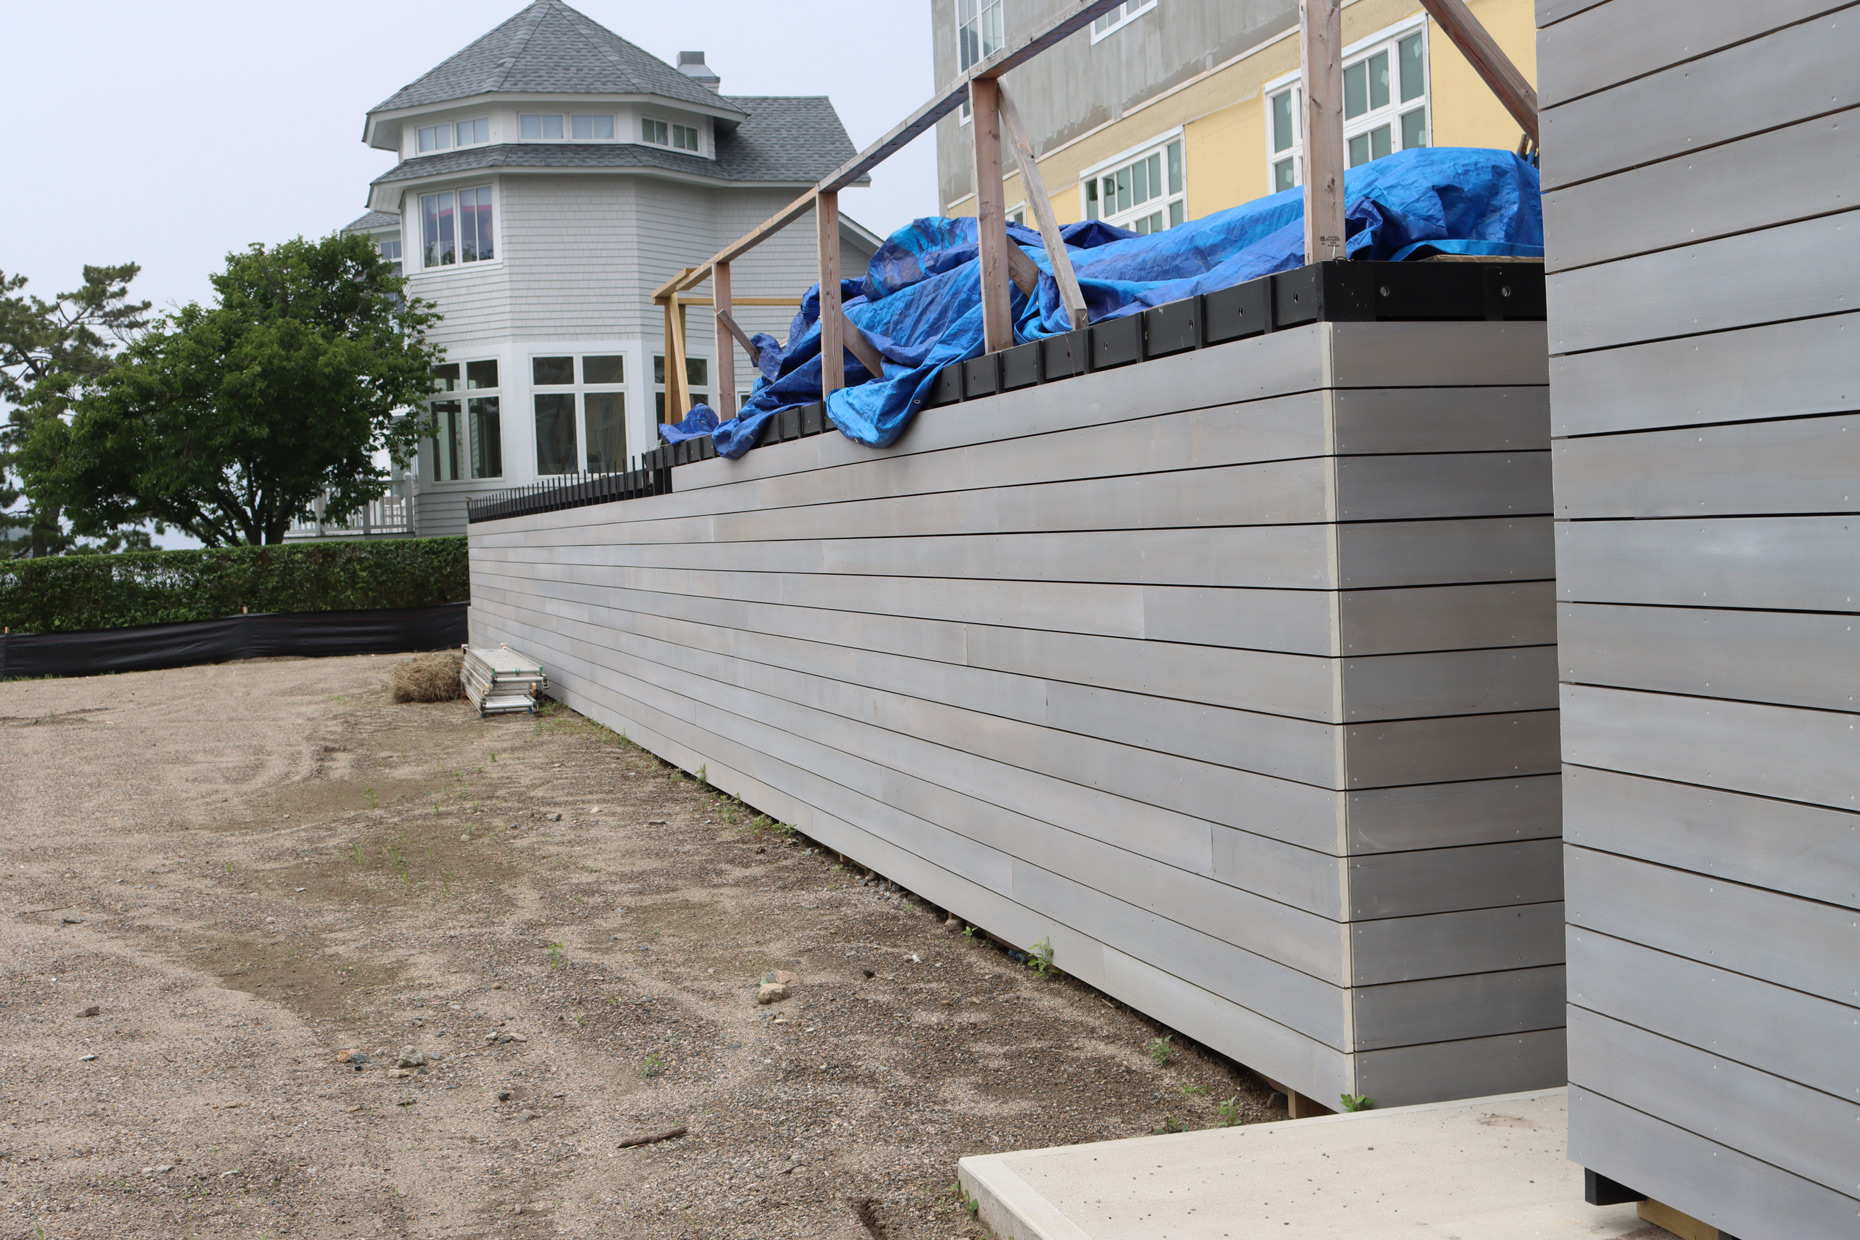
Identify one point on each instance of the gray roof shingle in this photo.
(791, 139)
(550, 48)
(372, 221)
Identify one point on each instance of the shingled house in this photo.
(550, 176)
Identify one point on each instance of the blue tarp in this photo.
(920, 301)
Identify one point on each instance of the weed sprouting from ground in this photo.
(653, 1065)
(1040, 959)
(555, 955)
(1161, 1050)
(1229, 1110)
(1357, 1102)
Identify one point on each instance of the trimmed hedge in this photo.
(70, 593)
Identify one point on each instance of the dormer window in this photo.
(463, 133)
(555, 127)
(663, 133)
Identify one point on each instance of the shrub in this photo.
(70, 593)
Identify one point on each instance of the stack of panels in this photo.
(499, 680)
(1702, 166)
(1231, 674)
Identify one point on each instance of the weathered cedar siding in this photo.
(1231, 674)
(1700, 169)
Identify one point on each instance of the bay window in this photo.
(456, 227)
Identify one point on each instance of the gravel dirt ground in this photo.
(218, 883)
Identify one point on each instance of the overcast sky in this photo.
(171, 132)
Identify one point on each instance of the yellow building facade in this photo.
(1223, 118)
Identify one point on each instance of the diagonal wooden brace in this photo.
(1022, 270)
(728, 322)
(861, 347)
(1488, 60)
(1069, 295)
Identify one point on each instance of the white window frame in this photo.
(612, 118)
(982, 10)
(419, 197)
(464, 473)
(1155, 203)
(662, 416)
(578, 392)
(1391, 114)
(1125, 13)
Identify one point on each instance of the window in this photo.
(471, 133)
(598, 127)
(468, 438)
(661, 133)
(1384, 107)
(1118, 17)
(979, 35)
(435, 138)
(697, 379)
(540, 126)
(1017, 214)
(1145, 195)
(455, 227)
(390, 250)
(601, 444)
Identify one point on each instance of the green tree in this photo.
(50, 353)
(229, 420)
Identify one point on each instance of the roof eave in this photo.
(386, 196)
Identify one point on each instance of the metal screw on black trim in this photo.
(1504, 290)
(1384, 290)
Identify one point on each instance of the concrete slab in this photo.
(1480, 1169)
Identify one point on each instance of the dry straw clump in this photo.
(430, 678)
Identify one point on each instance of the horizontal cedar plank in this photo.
(1469, 1068)
(1442, 880)
(1609, 44)
(1464, 617)
(1778, 370)
(1791, 271)
(1440, 419)
(1442, 1009)
(1712, 1182)
(1451, 815)
(1758, 182)
(1762, 934)
(1426, 751)
(1802, 850)
(1801, 563)
(1391, 355)
(1688, 107)
(1402, 949)
(1783, 658)
(1801, 465)
(1801, 1130)
(1459, 682)
(1415, 553)
(1803, 1038)
(1549, 11)
(1773, 751)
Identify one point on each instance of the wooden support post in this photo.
(832, 337)
(1069, 295)
(677, 380)
(1488, 60)
(671, 358)
(725, 397)
(991, 215)
(1321, 54)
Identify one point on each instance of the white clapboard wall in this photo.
(1230, 674)
(1702, 169)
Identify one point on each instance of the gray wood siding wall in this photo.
(1700, 167)
(1231, 675)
